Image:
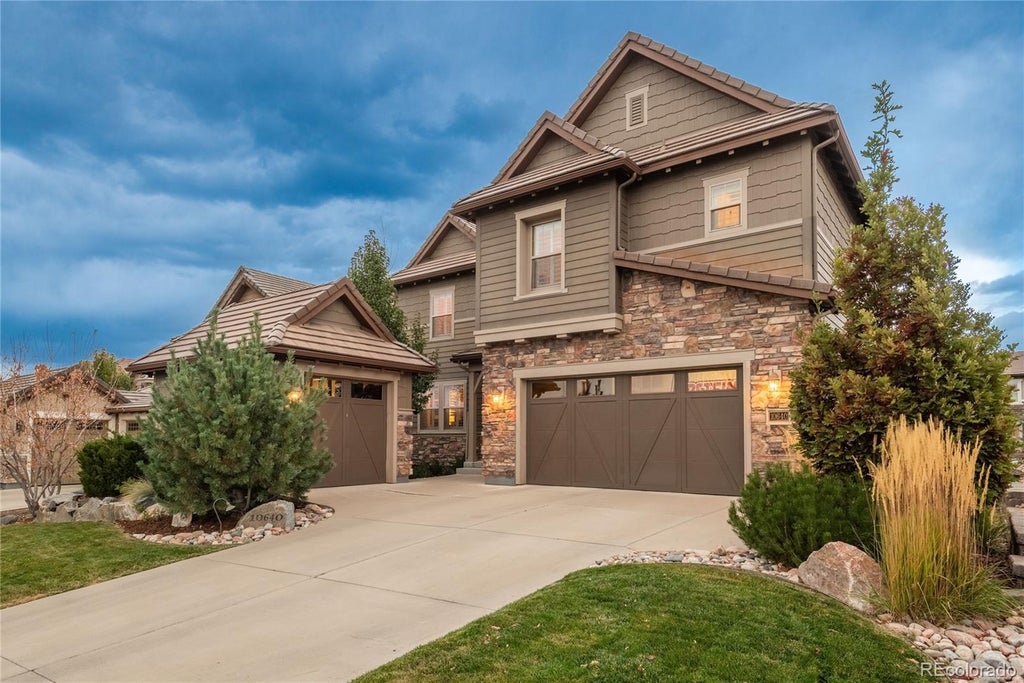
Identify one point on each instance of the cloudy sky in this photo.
(150, 149)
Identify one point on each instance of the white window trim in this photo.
(740, 175)
(1018, 384)
(441, 290)
(441, 387)
(643, 92)
(524, 221)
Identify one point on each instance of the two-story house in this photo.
(643, 268)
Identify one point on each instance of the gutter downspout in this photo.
(618, 209)
(814, 213)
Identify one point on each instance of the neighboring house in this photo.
(1015, 371)
(342, 346)
(96, 415)
(643, 268)
(438, 289)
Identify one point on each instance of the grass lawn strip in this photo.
(37, 560)
(659, 623)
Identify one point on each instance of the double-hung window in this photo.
(725, 203)
(540, 250)
(446, 408)
(442, 313)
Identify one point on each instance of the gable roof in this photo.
(265, 284)
(733, 277)
(549, 124)
(1016, 366)
(448, 222)
(23, 384)
(285, 325)
(636, 44)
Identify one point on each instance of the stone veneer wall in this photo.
(404, 445)
(445, 448)
(662, 316)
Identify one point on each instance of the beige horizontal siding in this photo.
(415, 301)
(779, 252)
(554, 149)
(833, 220)
(676, 105)
(453, 242)
(668, 208)
(587, 252)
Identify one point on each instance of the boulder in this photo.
(181, 519)
(843, 572)
(276, 513)
(155, 511)
(89, 511)
(116, 512)
(8, 519)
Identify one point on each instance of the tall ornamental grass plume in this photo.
(927, 497)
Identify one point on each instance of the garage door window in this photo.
(330, 387)
(548, 389)
(595, 386)
(652, 384)
(368, 391)
(711, 380)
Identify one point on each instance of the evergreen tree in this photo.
(104, 366)
(222, 426)
(369, 272)
(908, 342)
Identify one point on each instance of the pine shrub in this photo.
(222, 427)
(786, 514)
(105, 464)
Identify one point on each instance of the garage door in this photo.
(676, 431)
(355, 413)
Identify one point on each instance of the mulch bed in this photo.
(162, 525)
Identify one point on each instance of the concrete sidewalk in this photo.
(397, 566)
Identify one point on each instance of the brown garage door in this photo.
(356, 417)
(677, 431)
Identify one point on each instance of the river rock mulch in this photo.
(206, 531)
(973, 650)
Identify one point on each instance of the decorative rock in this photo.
(60, 515)
(674, 558)
(111, 499)
(154, 511)
(277, 513)
(899, 629)
(963, 652)
(844, 572)
(8, 519)
(181, 519)
(115, 512)
(89, 511)
(1017, 663)
(961, 638)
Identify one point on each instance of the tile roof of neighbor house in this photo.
(20, 383)
(284, 321)
(1016, 366)
(135, 401)
(267, 284)
(734, 277)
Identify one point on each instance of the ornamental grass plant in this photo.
(928, 494)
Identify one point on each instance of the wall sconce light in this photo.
(295, 395)
(498, 399)
(775, 381)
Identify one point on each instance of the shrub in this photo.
(222, 426)
(786, 515)
(105, 464)
(927, 499)
(435, 468)
(140, 493)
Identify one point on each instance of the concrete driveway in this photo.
(397, 566)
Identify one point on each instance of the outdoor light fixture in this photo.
(228, 507)
(775, 381)
(295, 395)
(498, 399)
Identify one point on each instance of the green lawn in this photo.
(37, 560)
(663, 623)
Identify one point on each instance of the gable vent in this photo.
(636, 108)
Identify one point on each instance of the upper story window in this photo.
(1016, 390)
(636, 108)
(540, 250)
(446, 407)
(442, 313)
(725, 203)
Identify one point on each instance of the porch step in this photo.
(473, 468)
